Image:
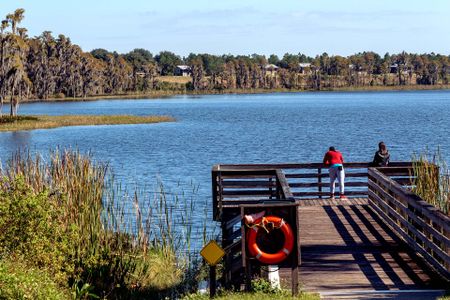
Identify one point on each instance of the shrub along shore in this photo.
(44, 122)
(171, 93)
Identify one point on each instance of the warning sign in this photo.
(212, 253)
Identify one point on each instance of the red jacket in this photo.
(333, 157)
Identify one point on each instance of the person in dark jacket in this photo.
(381, 157)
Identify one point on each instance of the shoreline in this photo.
(169, 94)
(29, 122)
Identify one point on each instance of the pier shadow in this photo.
(357, 250)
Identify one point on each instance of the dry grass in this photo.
(45, 122)
(432, 181)
(175, 79)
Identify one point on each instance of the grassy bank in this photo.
(44, 122)
(169, 93)
(163, 94)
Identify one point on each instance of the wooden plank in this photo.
(304, 165)
(246, 193)
(271, 204)
(248, 184)
(326, 184)
(247, 176)
(404, 181)
(396, 171)
(232, 222)
(226, 167)
(325, 175)
(233, 247)
(238, 173)
(315, 194)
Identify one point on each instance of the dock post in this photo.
(212, 281)
(319, 181)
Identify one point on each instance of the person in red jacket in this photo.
(335, 162)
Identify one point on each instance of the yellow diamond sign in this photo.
(212, 253)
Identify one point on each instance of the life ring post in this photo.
(256, 254)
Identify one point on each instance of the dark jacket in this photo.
(380, 159)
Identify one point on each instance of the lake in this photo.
(257, 128)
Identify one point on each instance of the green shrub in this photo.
(31, 227)
(20, 281)
(9, 119)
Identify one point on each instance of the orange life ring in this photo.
(270, 258)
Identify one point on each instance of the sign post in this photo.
(212, 253)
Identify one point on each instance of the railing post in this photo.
(278, 189)
(319, 181)
(270, 188)
(214, 194)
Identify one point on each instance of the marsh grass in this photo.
(44, 122)
(120, 245)
(432, 181)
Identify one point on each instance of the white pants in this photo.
(340, 175)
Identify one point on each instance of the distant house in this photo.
(359, 70)
(140, 74)
(183, 70)
(305, 68)
(271, 69)
(393, 68)
(405, 70)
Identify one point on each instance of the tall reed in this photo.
(432, 179)
(122, 244)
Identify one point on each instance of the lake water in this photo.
(260, 128)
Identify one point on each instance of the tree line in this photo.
(45, 66)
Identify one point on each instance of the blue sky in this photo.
(244, 27)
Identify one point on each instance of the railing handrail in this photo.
(400, 209)
(414, 200)
(356, 165)
(284, 186)
(232, 182)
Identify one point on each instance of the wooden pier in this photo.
(384, 239)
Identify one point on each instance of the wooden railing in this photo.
(254, 183)
(421, 225)
(234, 187)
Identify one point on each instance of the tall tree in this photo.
(168, 61)
(3, 45)
(16, 76)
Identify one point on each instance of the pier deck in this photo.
(346, 248)
(384, 242)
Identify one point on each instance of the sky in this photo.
(338, 27)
